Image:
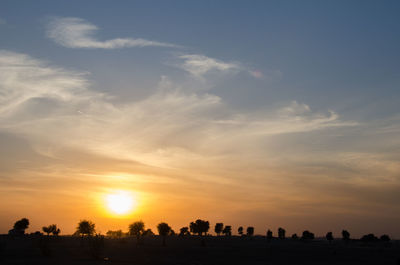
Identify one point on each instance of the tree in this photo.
(227, 230)
(250, 231)
(51, 229)
(47, 230)
(385, 238)
(295, 236)
(163, 230)
(281, 233)
(85, 227)
(369, 238)
(307, 235)
(329, 237)
(345, 235)
(148, 232)
(136, 229)
(240, 230)
(184, 231)
(115, 234)
(199, 227)
(56, 232)
(218, 228)
(20, 226)
(269, 235)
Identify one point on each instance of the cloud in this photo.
(46, 103)
(198, 65)
(273, 161)
(72, 32)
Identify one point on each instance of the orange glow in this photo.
(121, 202)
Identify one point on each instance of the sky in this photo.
(264, 113)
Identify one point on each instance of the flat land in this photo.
(189, 250)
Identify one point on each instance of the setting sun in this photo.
(120, 202)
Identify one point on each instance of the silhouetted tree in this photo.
(19, 227)
(281, 233)
(385, 238)
(85, 227)
(136, 229)
(345, 235)
(329, 237)
(184, 231)
(148, 232)
(51, 229)
(227, 230)
(240, 230)
(369, 238)
(269, 235)
(199, 227)
(307, 235)
(218, 228)
(115, 234)
(172, 232)
(295, 236)
(163, 230)
(250, 231)
(56, 232)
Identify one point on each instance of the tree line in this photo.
(199, 227)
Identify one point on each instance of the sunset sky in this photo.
(261, 113)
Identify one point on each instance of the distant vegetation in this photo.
(86, 228)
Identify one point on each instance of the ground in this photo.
(189, 250)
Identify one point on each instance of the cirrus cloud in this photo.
(72, 32)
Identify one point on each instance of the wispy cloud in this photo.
(198, 65)
(72, 32)
(46, 103)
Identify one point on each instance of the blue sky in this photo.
(299, 97)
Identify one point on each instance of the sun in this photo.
(120, 202)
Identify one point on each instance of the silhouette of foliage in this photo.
(51, 229)
(199, 227)
(115, 234)
(385, 238)
(137, 229)
(281, 233)
(19, 227)
(184, 231)
(307, 235)
(345, 235)
(227, 230)
(269, 235)
(163, 230)
(369, 238)
(56, 232)
(149, 232)
(218, 228)
(85, 227)
(295, 236)
(250, 231)
(329, 237)
(240, 230)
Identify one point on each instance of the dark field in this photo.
(188, 250)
